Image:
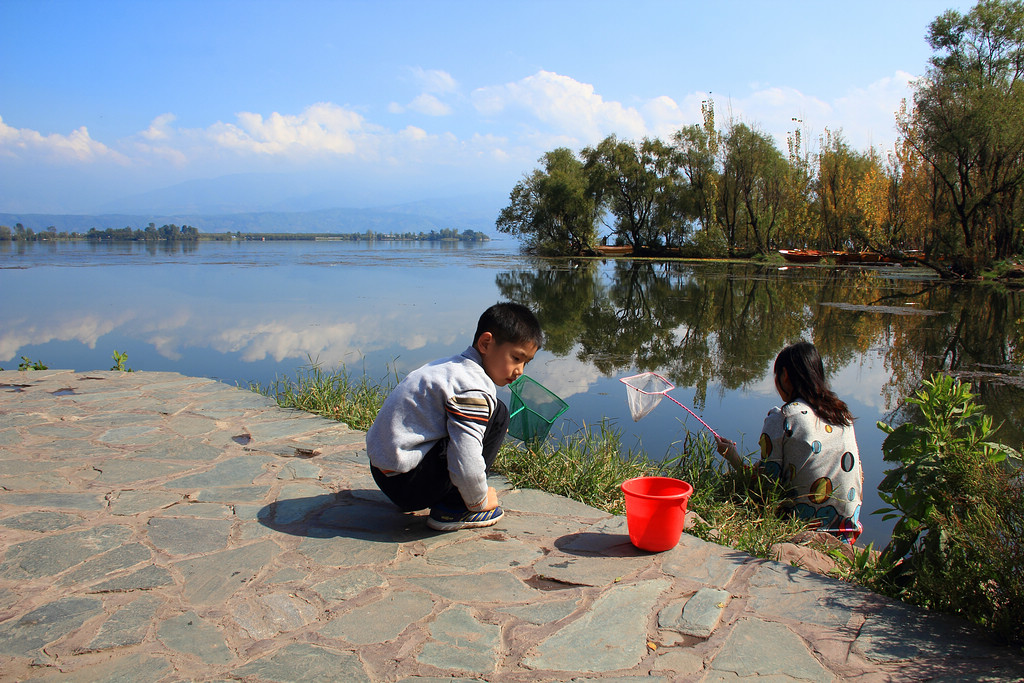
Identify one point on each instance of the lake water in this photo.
(254, 311)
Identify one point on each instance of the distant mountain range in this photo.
(460, 213)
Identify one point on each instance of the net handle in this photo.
(694, 414)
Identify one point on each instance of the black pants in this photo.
(429, 483)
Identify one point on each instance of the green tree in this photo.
(840, 171)
(966, 124)
(796, 224)
(553, 210)
(640, 183)
(697, 157)
(761, 180)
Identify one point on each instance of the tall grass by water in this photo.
(336, 394)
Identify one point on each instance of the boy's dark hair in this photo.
(510, 322)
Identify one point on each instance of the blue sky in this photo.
(376, 103)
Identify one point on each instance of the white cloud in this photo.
(435, 81)
(430, 105)
(77, 146)
(159, 128)
(159, 142)
(567, 105)
(866, 115)
(413, 133)
(320, 128)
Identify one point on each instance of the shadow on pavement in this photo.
(361, 514)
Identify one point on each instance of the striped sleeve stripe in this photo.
(469, 408)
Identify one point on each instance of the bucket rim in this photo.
(685, 493)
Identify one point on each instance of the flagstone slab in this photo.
(782, 590)
(126, 669)
(318, 665)
(588, 571)
(26, 635)
(538, 613)
(382, 620)
(538, 502)
(190, 426)
(178, 449)
(215, 577)
(128, 625)
(489, 587)
(188, 536)
(150, 576)
(461, 641)
(52, 555)
(101, 566)
(190, 634)
(234, 494)
(133, 435)
(704, 562)
(347, 585)
(274, 429)
(269, 615)
(698, 615)
(49, 431)
(611, 635)
(238, 471)
(123, 472)
(297, 500)
(341, 551)
(41, 521)
(899, 632)
(759, 649)
(125, 503)
(484, 555)
(383, 522)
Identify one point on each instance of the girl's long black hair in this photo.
(806, 373)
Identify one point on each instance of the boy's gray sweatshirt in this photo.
(453, 398)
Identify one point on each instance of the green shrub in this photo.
(29, 364)
(958, 543)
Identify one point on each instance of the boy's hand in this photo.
(492, 498)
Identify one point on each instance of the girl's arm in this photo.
(727, 449)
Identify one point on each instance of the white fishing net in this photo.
(644, 392)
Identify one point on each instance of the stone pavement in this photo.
(158, 527)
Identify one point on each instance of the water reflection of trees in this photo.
(724, 324)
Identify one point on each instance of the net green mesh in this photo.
(533, 409)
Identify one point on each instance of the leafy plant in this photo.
(120, 361)
(28, 364)
(958, 542)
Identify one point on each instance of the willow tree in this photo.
(752, 190)
(554, 210)
(966, 124)
(640, 186)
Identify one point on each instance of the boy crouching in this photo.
(440, 429)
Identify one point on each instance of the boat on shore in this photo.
(802, 255)
(606, 250)
(844, 257)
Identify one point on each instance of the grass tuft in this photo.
(335, 395)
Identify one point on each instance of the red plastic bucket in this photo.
(655, 511)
